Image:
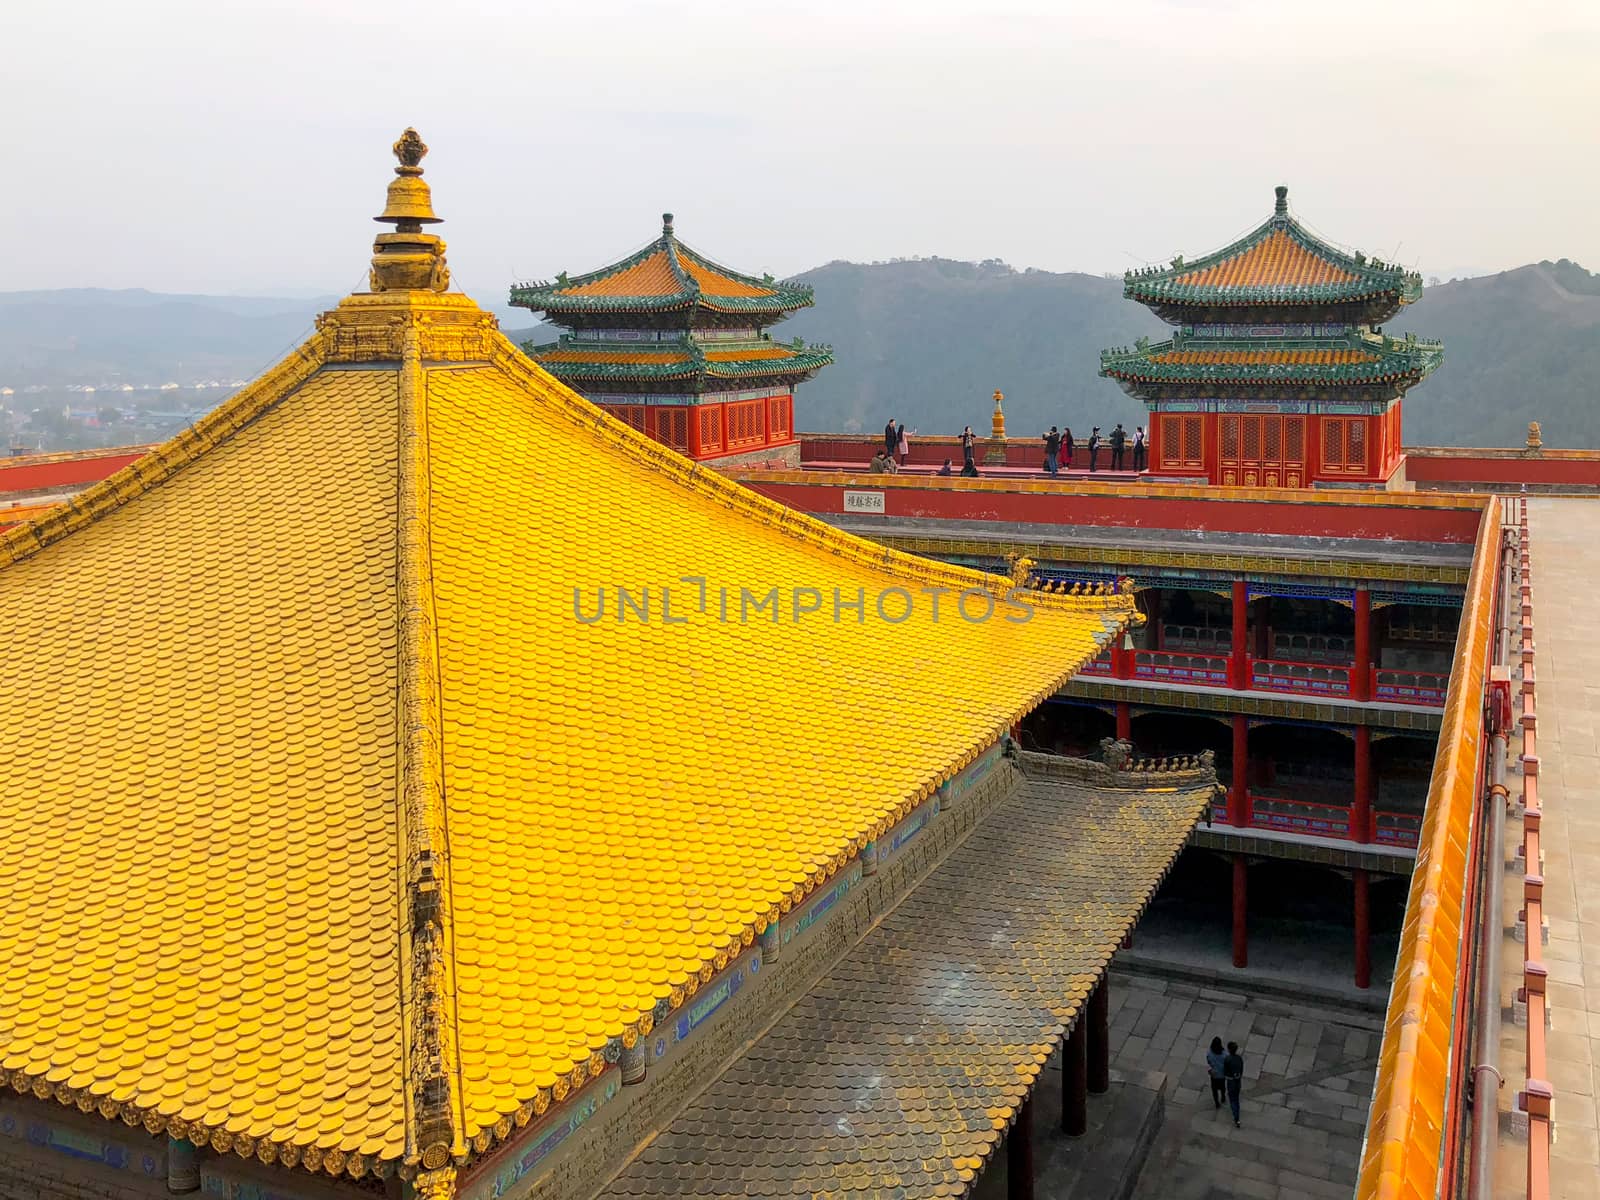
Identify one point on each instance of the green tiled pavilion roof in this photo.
(1353, 360)
(1278, 263)
(686, 361)
(664, 276)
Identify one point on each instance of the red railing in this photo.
(1175, 667)
(1397, 829)
(1299, 816)
(1409, 687)
(1313, 679)
(1269, 675)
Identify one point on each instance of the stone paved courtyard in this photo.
(1308, 1079)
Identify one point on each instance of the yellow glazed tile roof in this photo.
(1265, 357)
(624, 357)
(715, 283)
(339, 839)
(1415, 1092)
(1275, 260)
(652, 276)
(748, 355)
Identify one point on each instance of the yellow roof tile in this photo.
(1275, 260)
(312, 745)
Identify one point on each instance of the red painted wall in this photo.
(949, 501)
(1511, 468)
(63, 474)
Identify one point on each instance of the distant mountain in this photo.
(929, 341)
(1520, 346)
(925, 341)
(98, 337)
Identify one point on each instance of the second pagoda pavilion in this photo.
(1279, 374)
(675, 345)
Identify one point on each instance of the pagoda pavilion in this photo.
(1278, 373)
(419, 783)
(675, 346)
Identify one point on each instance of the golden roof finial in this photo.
(998, 422)
(408, 259)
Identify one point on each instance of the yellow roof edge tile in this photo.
(216, 427)
(435, 1123)
(317, 1153)
(1402, 1093)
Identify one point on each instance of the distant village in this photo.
(40, 419)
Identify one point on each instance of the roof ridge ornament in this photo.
(666, 226)
(408, 259)
(1280, 207)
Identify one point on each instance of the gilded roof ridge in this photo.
(713, 485)
(435, 1124)
(166, 460)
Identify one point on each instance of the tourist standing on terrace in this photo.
(901, 445)
(1094, 448)
(1139, 448)
(1067, 446)
(891, 437)
(1119, 440)
(1052, 450)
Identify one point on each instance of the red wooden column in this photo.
(1363, 932)
(1241, 928)
(1361, 820)
(1239, 664)
(1361, 675)
(1075, 1080)
(1124, 721)
(1121, 660)
(1019, 1154)
(1099, 1015)
(1239, 785)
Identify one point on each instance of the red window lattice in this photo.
(672, 428)
(778, 418)
(1344, 445)
(1180, 441)
(744, 423)
(710, 428)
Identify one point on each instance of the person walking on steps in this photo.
(1214, 1059)
(1119, 440)
(1094, 448)
(1233, 1077)
(1140, 449)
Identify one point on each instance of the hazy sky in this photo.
(244, 147)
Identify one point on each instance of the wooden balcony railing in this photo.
(1307, 679)
(1169, 666)
(1299, 816)
(1409, 687)
(1420, 688)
